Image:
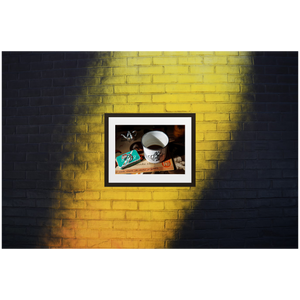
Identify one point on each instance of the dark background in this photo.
(253, 203)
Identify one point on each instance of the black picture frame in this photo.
(134, 118)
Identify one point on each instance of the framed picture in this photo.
(150, 149)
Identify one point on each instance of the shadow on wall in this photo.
(42, 95)
(252, 200)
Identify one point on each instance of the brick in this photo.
(176, 69)
(227, 69)
(19, 67)
(139, 98)
(138, 215)
(270, 155)
(230, 127)
(201, 127)
(151, 205)
(158, 225)
(234, 60)
(216, 117)
(66, 64)
(138, 79)
(151, 70)
(118, 108)
(99, 224)
(144, 108)
(257, 164)
(201, 69)
(246, 136)
(93, 90)
(9, 93)
(44, 129)
(86, 138)
(258, 184)
(243, 78)
(126, 89)
(84, 120)
(87, 233)
(153, 88)
(290, 173)
(177, 205)
(30, 93)
(90, 157)
(278, 88)
(20, 84)
(178, 107)
(39, 138)
(126, 71)
(257, 126)
(206, 146)
(139, 61)
(114, 99)
(233, 184)
(178, 88)
(88, 72)
(40, 101)
(14, 156)
(48, 184)
(217, 155)
(217, 136)
(244, 155)
(285, 184)
(88, 214)
(113, 195)
(164, 60)
(87, 175)
(125, 225)
(74, 129)
(64, 175)
(114, 62)
(170, 195)
(25, 166)
(13, 211)
(190, 60)
(164, 215)
(37, 157)
(228, 87)
(203, 88)
(72, 185)
(215, 60)
(216, 97)
(17, 139)
(99, 243)
(38, 175)
(269, 174)
(214, 78)
(247, 194)
(284, 164)
(126, 205)
(138, 195)
(53, 56)
(114, 215)
(63, 138)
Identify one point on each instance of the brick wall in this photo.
(246, 150)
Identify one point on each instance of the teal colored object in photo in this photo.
(128, 159)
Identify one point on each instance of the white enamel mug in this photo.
(155, 146)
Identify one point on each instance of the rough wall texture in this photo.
(246, 150)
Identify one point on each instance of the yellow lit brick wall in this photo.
(209, 84)
(71, 207)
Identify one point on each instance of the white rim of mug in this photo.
(152, 132)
